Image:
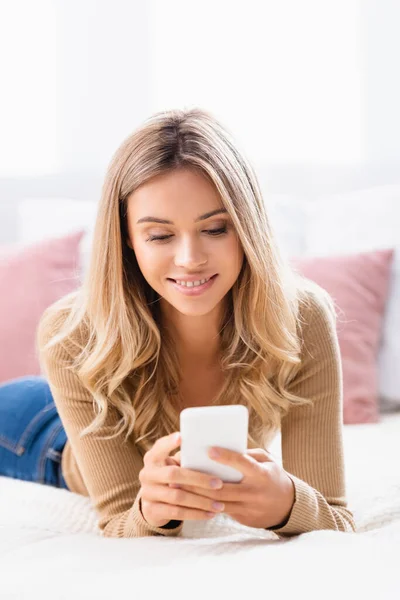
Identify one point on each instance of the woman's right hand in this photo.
(160, 502)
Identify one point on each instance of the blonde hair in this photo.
(121, 355)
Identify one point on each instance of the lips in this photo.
(198, 279)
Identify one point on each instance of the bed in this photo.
(51, 547)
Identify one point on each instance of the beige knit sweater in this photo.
(312, 446)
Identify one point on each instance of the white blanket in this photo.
(50, 545)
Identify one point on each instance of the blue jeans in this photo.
(32, 436)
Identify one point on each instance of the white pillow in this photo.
(43, 218)
(359, 221)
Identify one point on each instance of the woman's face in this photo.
(193, 246)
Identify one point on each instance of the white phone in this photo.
(205, 426)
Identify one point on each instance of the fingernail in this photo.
(177, 437)
(216, 483)
(214, 453)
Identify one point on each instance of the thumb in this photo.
(177, 457)
(171, 461)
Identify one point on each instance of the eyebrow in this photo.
(200, 218)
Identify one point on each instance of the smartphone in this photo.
(205, 426)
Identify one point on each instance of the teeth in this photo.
(192, 283)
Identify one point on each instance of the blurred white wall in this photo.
(309, 89)
(286, 76)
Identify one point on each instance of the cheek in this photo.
(234, 256)
(143, 258)
(151, 262)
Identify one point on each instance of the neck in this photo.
(197, 338)
(198, 348)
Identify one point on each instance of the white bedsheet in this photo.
(50, 546)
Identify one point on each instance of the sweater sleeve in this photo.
(109, 468)
(312, 436)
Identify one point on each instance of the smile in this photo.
(192, 283)
(193, 288)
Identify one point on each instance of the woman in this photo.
(186, 302)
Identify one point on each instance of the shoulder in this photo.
(53, 328)
(317, 315)
(319, 369)
(50, 323)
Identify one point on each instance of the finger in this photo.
(172, 462)
(231, 493)
(182, 498)
(173, 474)
(261, 455)
(177, 456)
(161, 448)
(161, 511)
(242, 462)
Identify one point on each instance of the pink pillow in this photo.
(31, 278)
(359, 284)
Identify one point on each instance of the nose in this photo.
(190, 254)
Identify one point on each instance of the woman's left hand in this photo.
(265, 496)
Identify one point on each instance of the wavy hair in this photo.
(121, 353)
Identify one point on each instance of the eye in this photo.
(212, 232)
